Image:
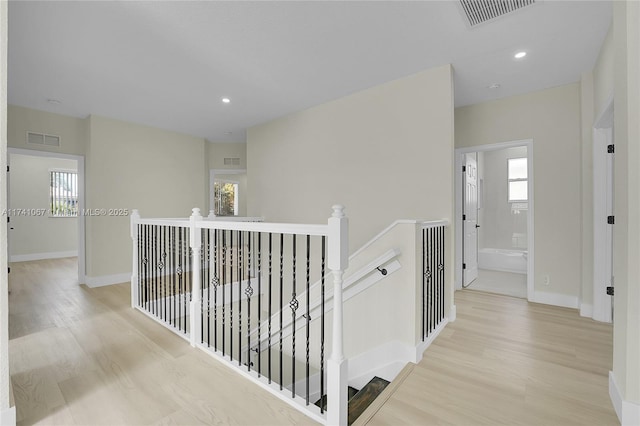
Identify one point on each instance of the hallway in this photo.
(82, 356)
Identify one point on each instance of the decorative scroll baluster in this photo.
(322, 272)
(269, 308)
(232, 255)
(224, 286)
(240, 279)
(308, 316)
(294, 307)
(249, 293)
(215, 282)
(281, 300)
(442, 273)
(259, 272)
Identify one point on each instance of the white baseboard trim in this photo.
(586, 310)
(42, 256)
(555, 299)
(453, 313)
(8, 417)
(628, 412)
(103, 280)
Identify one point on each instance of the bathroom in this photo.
(501, 221)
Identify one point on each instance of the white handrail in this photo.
(349, 282)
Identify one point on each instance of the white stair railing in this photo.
(182, 266)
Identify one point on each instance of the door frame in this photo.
(81, 198)
(458, 194)
(602, 232)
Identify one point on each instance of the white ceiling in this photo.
(168, 64)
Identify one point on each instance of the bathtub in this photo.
(503, 260)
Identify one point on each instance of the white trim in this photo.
(602, 135)
(459, 153)
(628, 412)
(422, 346)
(81, 198)
(104, 280)
(8, 416)
(586, 310)
(453, 313)
(555, 299)
(42, 256)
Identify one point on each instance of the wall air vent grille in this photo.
(42, 139)
(232, 161)
(479, 11)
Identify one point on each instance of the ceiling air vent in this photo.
(479, 11)
(232, 161)
(42, 139)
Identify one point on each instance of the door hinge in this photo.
(464, 217)
(8, 219)
(9, 270)
(611, 220)
(7, 169)
(464, 266)
(610, 149)
(464, 169)
(610, 291)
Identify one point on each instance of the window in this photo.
(225, 196)
(518, 184)
(63, 193)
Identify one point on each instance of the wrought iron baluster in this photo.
(224, 285)
(240, 279)
(294, 307)
(259, 272)
(216, 282)
(308, 316)
(442, 271)
(233, 253)
(269, 308)
(433, 284)
(422, 301)
(281, 299)
(249, 293)
(322, 272)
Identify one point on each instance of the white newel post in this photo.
(135, 218)
(194, 307)
(337, 369)
(212, 214)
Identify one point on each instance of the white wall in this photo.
(386, 153)
(130, 166)
(498, 222)
(552, 119)
(38, 236)
(626, 333)
(7, 414)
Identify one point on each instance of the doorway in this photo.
(494, 211)
(48, 218)
(603, 214)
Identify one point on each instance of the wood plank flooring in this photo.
(81, 356)
(505, 361)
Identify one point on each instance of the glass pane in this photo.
(224, 198)
(518, 191)
(517, 168)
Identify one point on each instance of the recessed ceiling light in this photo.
(54, 101)
(493, 86)
(520, 55)
(226, 100)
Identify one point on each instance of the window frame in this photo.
(235, 195)
(75, 189)
(512, 180)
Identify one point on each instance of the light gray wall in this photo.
(38, 235)
(498, 221)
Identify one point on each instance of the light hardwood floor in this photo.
(505, 361)
(82, 356)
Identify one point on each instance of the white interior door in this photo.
(470, 220)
